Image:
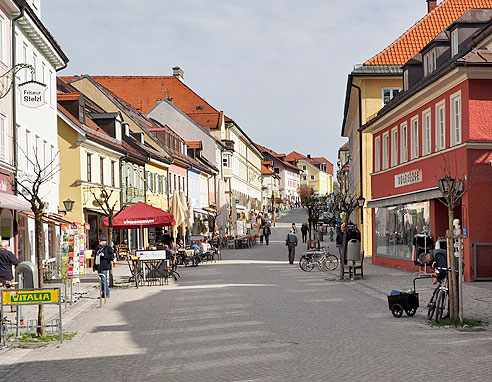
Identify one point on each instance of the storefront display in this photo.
(396, 226)
(73, 249)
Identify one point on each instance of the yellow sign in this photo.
(39, 296)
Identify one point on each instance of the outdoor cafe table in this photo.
(152, 266)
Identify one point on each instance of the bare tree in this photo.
(29, 185)
(109, 208)
(452, 190)
(313, 204)
(346, 203)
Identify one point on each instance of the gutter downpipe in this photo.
(14, 119)
(360, 149)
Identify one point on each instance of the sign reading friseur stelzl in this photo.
(409, 177)
(34, 296)
(32, 94)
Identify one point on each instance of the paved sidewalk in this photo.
(254, 317)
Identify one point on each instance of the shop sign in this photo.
(32, 94)
(38, 296)
(409, 177)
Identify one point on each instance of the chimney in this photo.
(309, 156)
(178, 73)
(431, 4)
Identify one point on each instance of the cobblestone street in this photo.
(254, 317)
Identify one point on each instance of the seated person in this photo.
(195, 246)
(180, 244)
(161, 245)
(437, 260)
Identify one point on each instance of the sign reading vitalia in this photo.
(38, 296)
(32, 94)
(409, 177)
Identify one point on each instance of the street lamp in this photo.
(68, 204)
(446, 185)
(360, 202)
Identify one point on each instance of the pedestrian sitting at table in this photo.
(180, 244)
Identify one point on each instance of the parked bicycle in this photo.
(438, 303)
(326, 262)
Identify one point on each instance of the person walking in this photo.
(291, 243)
(294, 227)
(102, 263)
(266, 233)
(339, 242)
(7, 259)
(261, 233)
(304, 231)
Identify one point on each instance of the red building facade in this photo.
(441, 124)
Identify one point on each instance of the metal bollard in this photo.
(103, 289)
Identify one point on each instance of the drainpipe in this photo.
(360, 149)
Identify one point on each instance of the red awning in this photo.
(141, 215)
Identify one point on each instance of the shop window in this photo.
(395, 228)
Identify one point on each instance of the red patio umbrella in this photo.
(141, 215)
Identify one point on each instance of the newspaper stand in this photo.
(39, 296)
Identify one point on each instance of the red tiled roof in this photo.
(345, 147)
(280, 157)
(264, 168)
(194, 144)
(144, 92)
(424, 31)
(68, 96)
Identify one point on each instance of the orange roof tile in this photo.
(68, 96)
(194, 144)
(424, 31)
(144, 92)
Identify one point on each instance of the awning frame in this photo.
(407, 198)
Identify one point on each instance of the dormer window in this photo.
(430, 62)
(454, 42)
(405, 80)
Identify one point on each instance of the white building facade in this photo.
(36, 131)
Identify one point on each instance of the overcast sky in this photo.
(277, 67)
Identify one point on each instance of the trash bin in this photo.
(353, 250)
(29, 273)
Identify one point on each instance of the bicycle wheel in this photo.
(440, 306)
(431, 306)
(331, 262)
(302, 263)
(309, 265)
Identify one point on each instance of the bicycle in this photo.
(439, 300)
(309, 260)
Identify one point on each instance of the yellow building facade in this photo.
(376, 89)
(320, 181)
(87, 168)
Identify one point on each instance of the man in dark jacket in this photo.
(339, 242)
(304, 231)
(102, 262)
(7, 259)
(291, 243)
(266, 233)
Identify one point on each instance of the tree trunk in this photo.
(453, 306)
(343, 254)
(39, 235)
